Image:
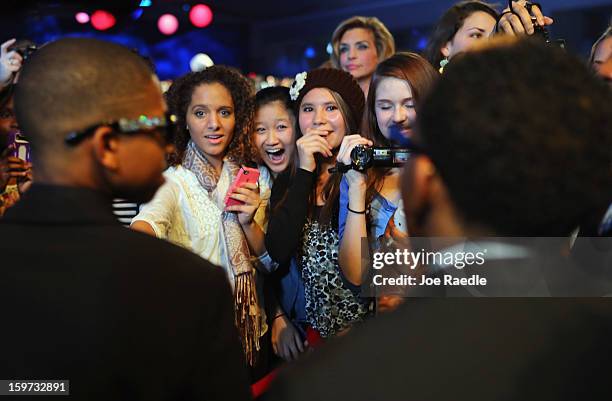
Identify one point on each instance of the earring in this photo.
(443, 64)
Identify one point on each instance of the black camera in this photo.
(24, 47)
(539, 30)
(363, 157)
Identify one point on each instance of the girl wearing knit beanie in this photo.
(303, 227)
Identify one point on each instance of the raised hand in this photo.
(311, 143)
(10, 62)
(517, 20)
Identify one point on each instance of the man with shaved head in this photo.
(119, 314)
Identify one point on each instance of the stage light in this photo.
(82, 18)
(422, 43)
(200, 15)
(167, 24)
(102, 20)
(329, 48)
(200, 62)
(310, 52)
(145, 3)
(137, 13)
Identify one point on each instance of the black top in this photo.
(287, 220)
(120, 314)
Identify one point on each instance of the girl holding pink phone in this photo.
(198, 208)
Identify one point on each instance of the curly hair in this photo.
(448, 25)
(179, 96)
(535, 157)
(385, 44)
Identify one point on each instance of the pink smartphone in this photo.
(245, 175)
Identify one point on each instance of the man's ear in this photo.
(446, 49)
(105, 146)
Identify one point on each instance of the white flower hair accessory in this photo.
(298, 84)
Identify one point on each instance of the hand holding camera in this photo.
(355, 179)
(10, 62)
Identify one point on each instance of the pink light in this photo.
(200, 15)
(167, 24)
(102, 20)
(82, 18)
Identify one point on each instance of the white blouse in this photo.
(183, 213)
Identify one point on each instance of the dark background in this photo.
(267, 36)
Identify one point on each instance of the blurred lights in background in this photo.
(167, 24)
(310, 52)
(329, 49)
(102, 20)
(82, 18)
(145, 3)
(200, 15)
(137, 13)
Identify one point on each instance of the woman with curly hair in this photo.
(214, 110)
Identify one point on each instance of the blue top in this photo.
(381, 211)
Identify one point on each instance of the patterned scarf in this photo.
(248, 318)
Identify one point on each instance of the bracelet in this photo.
(277, 316)
(355, 211)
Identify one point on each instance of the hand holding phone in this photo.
(245, 175)
(243, 196)
(19, 145)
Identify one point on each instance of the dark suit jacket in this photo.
(474, 348)
(118, 313)
(464, 349)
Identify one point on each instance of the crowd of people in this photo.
(256, 227)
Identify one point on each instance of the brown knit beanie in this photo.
(337, 80)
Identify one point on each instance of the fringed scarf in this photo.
(248, 318)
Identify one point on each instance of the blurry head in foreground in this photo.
(524, 152)
(94, 114)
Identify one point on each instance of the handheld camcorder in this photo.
(362, 157)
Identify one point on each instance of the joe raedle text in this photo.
(423, 280)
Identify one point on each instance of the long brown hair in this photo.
(421, 76)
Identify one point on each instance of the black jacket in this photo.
(118, 313)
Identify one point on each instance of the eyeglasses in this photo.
(165, 125)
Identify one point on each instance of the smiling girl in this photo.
(274, 135)
(303, 232)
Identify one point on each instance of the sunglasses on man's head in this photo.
(143, 124)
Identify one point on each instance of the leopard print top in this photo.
(330, 305)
